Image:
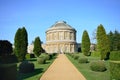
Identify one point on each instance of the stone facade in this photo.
(60, 38)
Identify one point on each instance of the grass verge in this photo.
(87, 72)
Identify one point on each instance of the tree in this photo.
(85, 43)
(116, 41)
(111, 39)
(21, 43)
(37, 47)
(102, 42)
(114, 38)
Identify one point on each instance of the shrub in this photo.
(115, 55)
(76, 57)
(51, 56)
(98, 66)
(8, 71)
(41, 60)
(72, 55)
(47, 57)
(95, 54)
(26, 67)
(115, 70)
(83, 60)
(28, 56)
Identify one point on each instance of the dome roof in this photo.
(61, 25)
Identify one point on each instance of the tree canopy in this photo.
(114, 38)
(21, 43)
(102, 42)
(37, 47)
(85, 43)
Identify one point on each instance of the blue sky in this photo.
(38, 15)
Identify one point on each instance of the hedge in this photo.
(28, 56)
(115, 70)
(115, 55)
(8, 71)
(26, 67)
(41, 60)
(98, 66)
(76, 57)
(83, 60)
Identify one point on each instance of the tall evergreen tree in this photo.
(37, 47)
(21, 43)
(85, 43)
(111, 39)
(102, 42)
(116, 41)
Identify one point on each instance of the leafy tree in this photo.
(102, 42)
(37, 47)
(85, 43)
(21, 43)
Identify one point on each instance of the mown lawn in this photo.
(87, 72)
(39, 70)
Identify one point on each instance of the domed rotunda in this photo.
(60, 38)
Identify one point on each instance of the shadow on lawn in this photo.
(22, 76)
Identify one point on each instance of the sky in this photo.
(38, 15)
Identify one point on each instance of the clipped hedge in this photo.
(115, 55)
(26, 67)
(115, 70)
(28, 56)
(8, 71)
(98, 66)
(41, 60)
(9, 59)
(76, 57)
(47, 57)
(83, 60)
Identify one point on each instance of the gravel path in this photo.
(62, 69)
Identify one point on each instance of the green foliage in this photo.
(47, 57)
(5, 48)
(98, 66)
(26, 67)
(8, 71)
(85, 43)
(6, 52)
(95, 54)
(102, 42)
(41, 60)
(115, 70)
(21, 43)
(83, 60)
(114, 38)
(28, 56)
(37, 47)
(115, 55)
(76, 57)
(9, 59)
(110, 37)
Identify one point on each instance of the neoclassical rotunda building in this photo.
(61, 38)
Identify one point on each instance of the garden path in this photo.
(62, 69)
